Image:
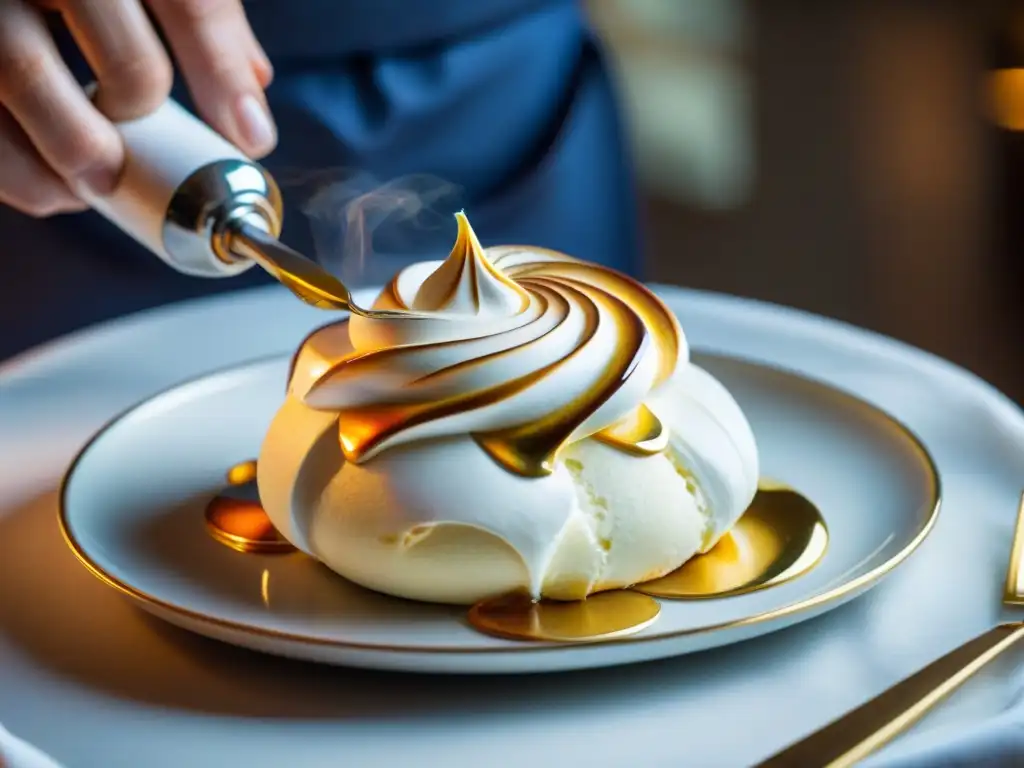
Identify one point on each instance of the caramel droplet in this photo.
(781, 536)
(236, 519)
(604, 616)
(242, 473)
(640, 433)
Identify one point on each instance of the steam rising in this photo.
(365, 230)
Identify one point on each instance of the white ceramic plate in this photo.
(132, 511)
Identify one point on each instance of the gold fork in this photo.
(868, 728)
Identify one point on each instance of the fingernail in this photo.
(265, 70)
(254, 123)
(264, 75)
(99, 181)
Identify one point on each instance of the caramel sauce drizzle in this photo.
(659, 320)
(547, 299)
(640, 433)
(363, 428)
(528, 449)
(360, 364)
(531, 449)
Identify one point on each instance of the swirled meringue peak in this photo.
(525, 359)
(529, 421)
(467, 282)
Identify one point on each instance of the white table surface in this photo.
(95, 682)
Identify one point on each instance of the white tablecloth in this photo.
(94, 682)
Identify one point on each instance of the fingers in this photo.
(224, 67)
(54, 140)
(132, 68)
(27, 183)
(68, 132)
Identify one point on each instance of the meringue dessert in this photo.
(531, 422)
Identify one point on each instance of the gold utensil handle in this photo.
(864, 730)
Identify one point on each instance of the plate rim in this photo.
(837, 594)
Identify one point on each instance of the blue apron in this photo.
(503, 107)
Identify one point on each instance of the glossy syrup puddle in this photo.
(236, 519)
(780, 537)
(603, 616)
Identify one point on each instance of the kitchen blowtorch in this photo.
(203, 207)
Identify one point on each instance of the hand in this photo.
(54, 140)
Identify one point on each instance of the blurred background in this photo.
(862, 160)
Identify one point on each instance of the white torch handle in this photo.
(178, 176)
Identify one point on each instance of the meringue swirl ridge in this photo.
(526, 351)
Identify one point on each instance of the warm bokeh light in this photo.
(1005, 95)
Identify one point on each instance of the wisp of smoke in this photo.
(364, 229)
